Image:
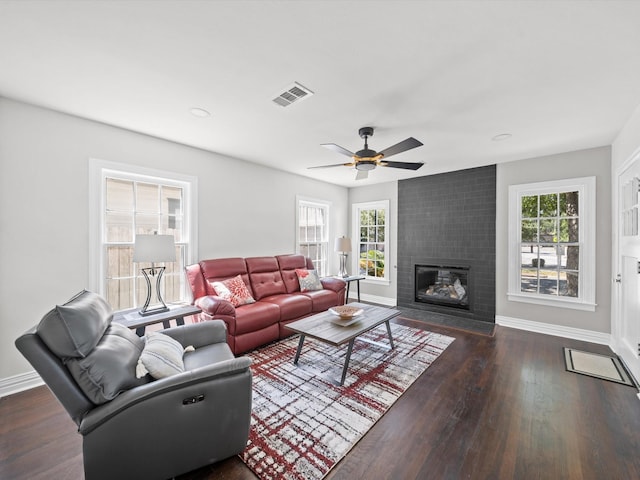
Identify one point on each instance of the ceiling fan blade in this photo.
(403, 146)
(405, 165)
(338, 148)
(362, 174)
(335, 165)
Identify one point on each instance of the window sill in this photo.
(552, 302)
(376, 281)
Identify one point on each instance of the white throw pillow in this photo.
(308, 279)
(161, 356)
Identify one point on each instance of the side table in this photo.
(349, 279)
(132, 319)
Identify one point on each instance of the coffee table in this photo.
(320, 327)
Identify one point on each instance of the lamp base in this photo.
(154, 272)
(343, 266)
(153, 311)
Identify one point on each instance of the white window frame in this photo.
(586, 188)
(99, 171)
(321, 264)
(355, 229)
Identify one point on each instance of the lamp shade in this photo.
(154, 248)
(343, 244)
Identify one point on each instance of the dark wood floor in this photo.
(500, 407)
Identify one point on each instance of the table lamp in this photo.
(343, 246)
(153, 249)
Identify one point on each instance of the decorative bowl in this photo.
(345, 312)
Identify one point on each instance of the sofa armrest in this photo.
(333, 283)
(213, 306)
(199, 334)
(165, 386)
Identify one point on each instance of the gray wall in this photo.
(375, 292)
(593, 162)
(44, 213)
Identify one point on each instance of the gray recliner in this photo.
(140, 427)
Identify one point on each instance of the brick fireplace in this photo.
(446, 243)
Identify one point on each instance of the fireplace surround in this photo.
(449, 220)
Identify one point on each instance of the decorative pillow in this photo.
(233, 290)
(72, 330)
(308, 280)
(110, 368)
(161, 356)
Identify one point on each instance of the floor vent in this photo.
(292, 94)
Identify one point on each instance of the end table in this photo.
(132, 319)
(349, 279)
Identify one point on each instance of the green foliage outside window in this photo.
(372, 263)
(372, 239)
(549, 222)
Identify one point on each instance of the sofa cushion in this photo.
(292, 305)
(207, 355)
(219, 269)
(110, 368)
(233, 290)
(308, 279)
(256, 316)
(323, 300)
(161, 356)
(72, 330)
(265, 277)
(288, 265)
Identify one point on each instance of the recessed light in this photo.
(501, 136)
(199, 112)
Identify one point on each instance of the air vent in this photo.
(292, 94)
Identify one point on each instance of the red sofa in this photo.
(273, 283)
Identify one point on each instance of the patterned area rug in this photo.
(303, 423)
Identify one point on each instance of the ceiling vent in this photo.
(292, 94)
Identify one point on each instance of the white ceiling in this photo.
(557, 75)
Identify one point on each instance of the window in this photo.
(312, 226)
(630, 206)
(127, 201)
(552, 243)
(371, 227)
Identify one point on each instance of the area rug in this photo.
(595, 365)
(303, 423)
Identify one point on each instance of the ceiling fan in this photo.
(365, 159)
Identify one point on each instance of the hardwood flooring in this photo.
(500, 407)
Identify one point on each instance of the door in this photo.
(626, 295)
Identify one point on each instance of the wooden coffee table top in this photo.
(320, 326)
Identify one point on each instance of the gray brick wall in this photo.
(449, 219)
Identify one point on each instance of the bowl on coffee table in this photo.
(346, 313)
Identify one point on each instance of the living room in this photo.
(45, 162)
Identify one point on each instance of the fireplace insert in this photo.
(442, 285)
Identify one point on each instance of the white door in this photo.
(629, 305)
(626, 295)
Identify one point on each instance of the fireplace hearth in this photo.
(442, 285)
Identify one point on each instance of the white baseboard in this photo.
(557, 330)
(365, 297)
(19, 383)
(628, 357)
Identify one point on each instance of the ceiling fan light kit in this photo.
(366, 165)
(367, 159)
